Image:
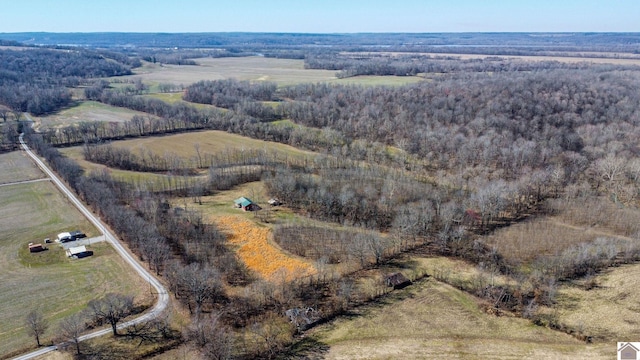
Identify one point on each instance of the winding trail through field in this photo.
(591, 230)
(163, 297)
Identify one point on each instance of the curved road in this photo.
(163, 297)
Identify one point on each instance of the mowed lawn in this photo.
(49, 281)
(432, 320)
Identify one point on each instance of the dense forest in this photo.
(434, 167)
(37, 80)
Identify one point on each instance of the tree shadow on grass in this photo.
(308, 348)
(104, 351)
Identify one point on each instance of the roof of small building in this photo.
(243, 201)
(76, 250)
(396, 279)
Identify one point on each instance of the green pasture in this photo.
(48, 281)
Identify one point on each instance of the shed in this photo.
(36, 247)
(79, 252)
(246, 204)
(274, 202)
(397, 281)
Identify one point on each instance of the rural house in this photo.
(246, 204)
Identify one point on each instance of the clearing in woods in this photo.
(254, 68)
(87, 111)
(283, 72)
(432, 320)
(48, 280)
(607, 309)
(259, 253)
(211, 142)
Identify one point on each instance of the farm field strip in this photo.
(567, 59)
(259, 254)
(255, 68)
(16, 167)
(88, 111)
(210, 142)
(284, 72)
(433, 320)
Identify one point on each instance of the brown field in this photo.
(284, 72)
(18, 167)
(87, 111)
(432, 320)
(259, 253)
(256, 68)
(211, 142)
(609, 312)
(524, 242)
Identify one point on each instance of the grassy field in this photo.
(87, 111)
(610, 311)
(256, 68)
(432, 320)
(210, 142)
(133, 177)
(48, 281)
(19, 168)
(284, 72)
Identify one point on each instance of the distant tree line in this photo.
(410, 65)
(35, 80)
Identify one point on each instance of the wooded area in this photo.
(436, 167)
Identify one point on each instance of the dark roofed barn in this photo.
(397, 281)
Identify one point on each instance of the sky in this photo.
(320, 16)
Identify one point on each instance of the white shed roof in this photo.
(76, 250)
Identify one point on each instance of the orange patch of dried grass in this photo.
(258, 254)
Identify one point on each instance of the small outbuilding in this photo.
(78, 252)
(274, 202)
(246, 204)
(397, 281)
(33, 248)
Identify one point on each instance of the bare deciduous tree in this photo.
(36, 325)
(212, 337)
(71, 328)
(112, 308)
